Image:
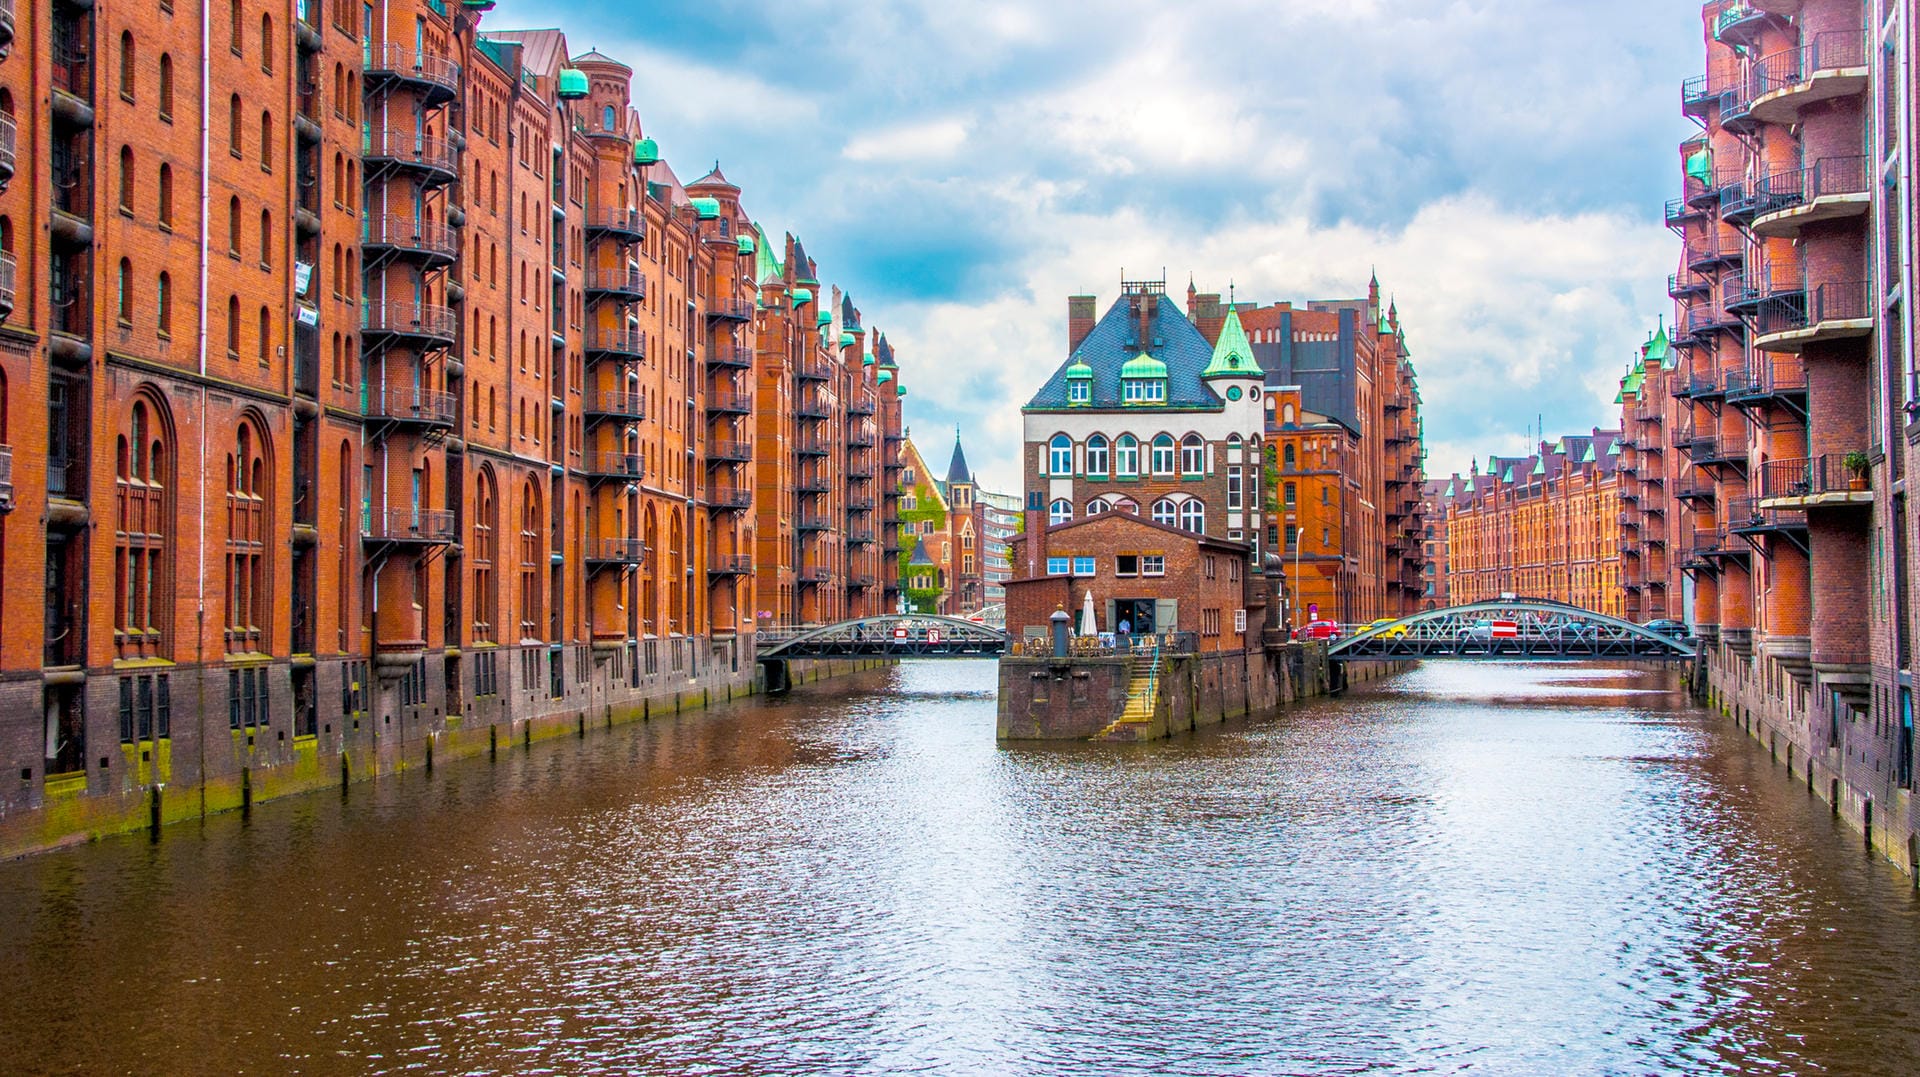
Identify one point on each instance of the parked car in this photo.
(1487, 631)
(1391, 633)
(1570, 631)
(1667, 627)
(1318, 630)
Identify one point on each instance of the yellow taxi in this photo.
(1395, 632)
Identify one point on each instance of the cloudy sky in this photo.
(962, 167)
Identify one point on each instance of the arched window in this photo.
(126, 179)
(1233, 442)
(1125, 504)
(249, 495)
(165, 93)
(266, 43)
(233, 126)
(233, 226)
(1286, 415)
(163, 302)
(1163, 454)
(1097, 506)
(123, 301)
(1193, 516)
(1126, 456)
(1166, 512)
(1193, 455)
(266, 141)
(266, 238)
(165, 196)
(126, 64)
(1097, 455)
(266, 335)
(485, 552)
(1060, 455)
(144, 524)
(233, 27)
(1288, 458)
(606, 119)
(1060, 511)
(233, 327)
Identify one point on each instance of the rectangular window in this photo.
(1126, 564)
(1083, 566)
(1153, 564)
(1240, 620)
(1233, 489)
(1056, 566)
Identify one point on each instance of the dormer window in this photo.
(1079, 392)
(1144, 390)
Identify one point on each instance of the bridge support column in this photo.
(779, 679)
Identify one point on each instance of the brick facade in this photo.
(442, 417)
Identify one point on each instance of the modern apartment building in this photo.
(1546, 525)
(1795, 380)
(370, 383)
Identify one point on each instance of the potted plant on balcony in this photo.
(1856, 464)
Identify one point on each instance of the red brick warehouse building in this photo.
(443, 421)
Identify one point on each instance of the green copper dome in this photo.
(1144, 366)
(1080, 371)
(848, 340)
(707, 208)
(744, 245)
(1700, 165)
(900, 390)
(802, 296)
(866, 360)
(1659, 349)
(646, 152)
(823, 317)
(1233, 354)
(883, 377)
(573, 83)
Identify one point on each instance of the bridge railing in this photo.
(1109, 644)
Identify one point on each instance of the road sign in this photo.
(933, 635)
(900, 632)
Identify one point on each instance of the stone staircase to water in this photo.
(1143, 691)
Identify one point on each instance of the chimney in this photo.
(1079, 320)
(1034, 538)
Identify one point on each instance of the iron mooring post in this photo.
(1059, 621)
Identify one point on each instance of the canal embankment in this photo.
(209, 762)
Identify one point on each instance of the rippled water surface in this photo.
(1516, 870)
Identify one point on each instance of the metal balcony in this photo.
(615, 466)
(426, 242)
(9, 137)
(615, 405)
(618, 344)
(814, 575)
(1820, 482)
(725, 403)
(733, 452)
(730, 564)
(6, 478)
(1839, 310)
(1829, 189)
(729, 310)
(811, 409)
(1769, 382)
(1740, 24)
(860, 439)
(425, 324)
(1833, 65)
(617, 551)
(811, 447)
(435, 77)
(1687, 283)
(813, 370)
(1697, 95)
(1705, 319)
(729, 498)
(810, 485)
(730, 357)
(419, 409)
(625, 225)
(433, 159)
(1707, 451)
(1694, 490)
(860, 405)
(622, 284)
(862, 536)
(1707, 253)
(7, 270)
(407, 527)
(811, 522)
(1750, 516)
(1680, 212)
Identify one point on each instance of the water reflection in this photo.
(1465, 869)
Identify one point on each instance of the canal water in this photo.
(1463, 869)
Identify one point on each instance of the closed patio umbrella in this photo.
(1087, 627)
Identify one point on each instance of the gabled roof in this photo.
(544, 52)
(1141, 521)
(766, 264)
(1113, 343)
(920, 555)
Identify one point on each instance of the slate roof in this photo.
(715, 178)
(595, 56)
(920, 555)
(1113, 343)
(957, 470)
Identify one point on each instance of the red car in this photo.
(1318, 630)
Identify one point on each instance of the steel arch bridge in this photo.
(912, 635)
(1542, 631)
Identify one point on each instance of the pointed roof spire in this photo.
(1233, 353)
(957, 470)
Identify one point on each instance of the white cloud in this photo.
(934, 140)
